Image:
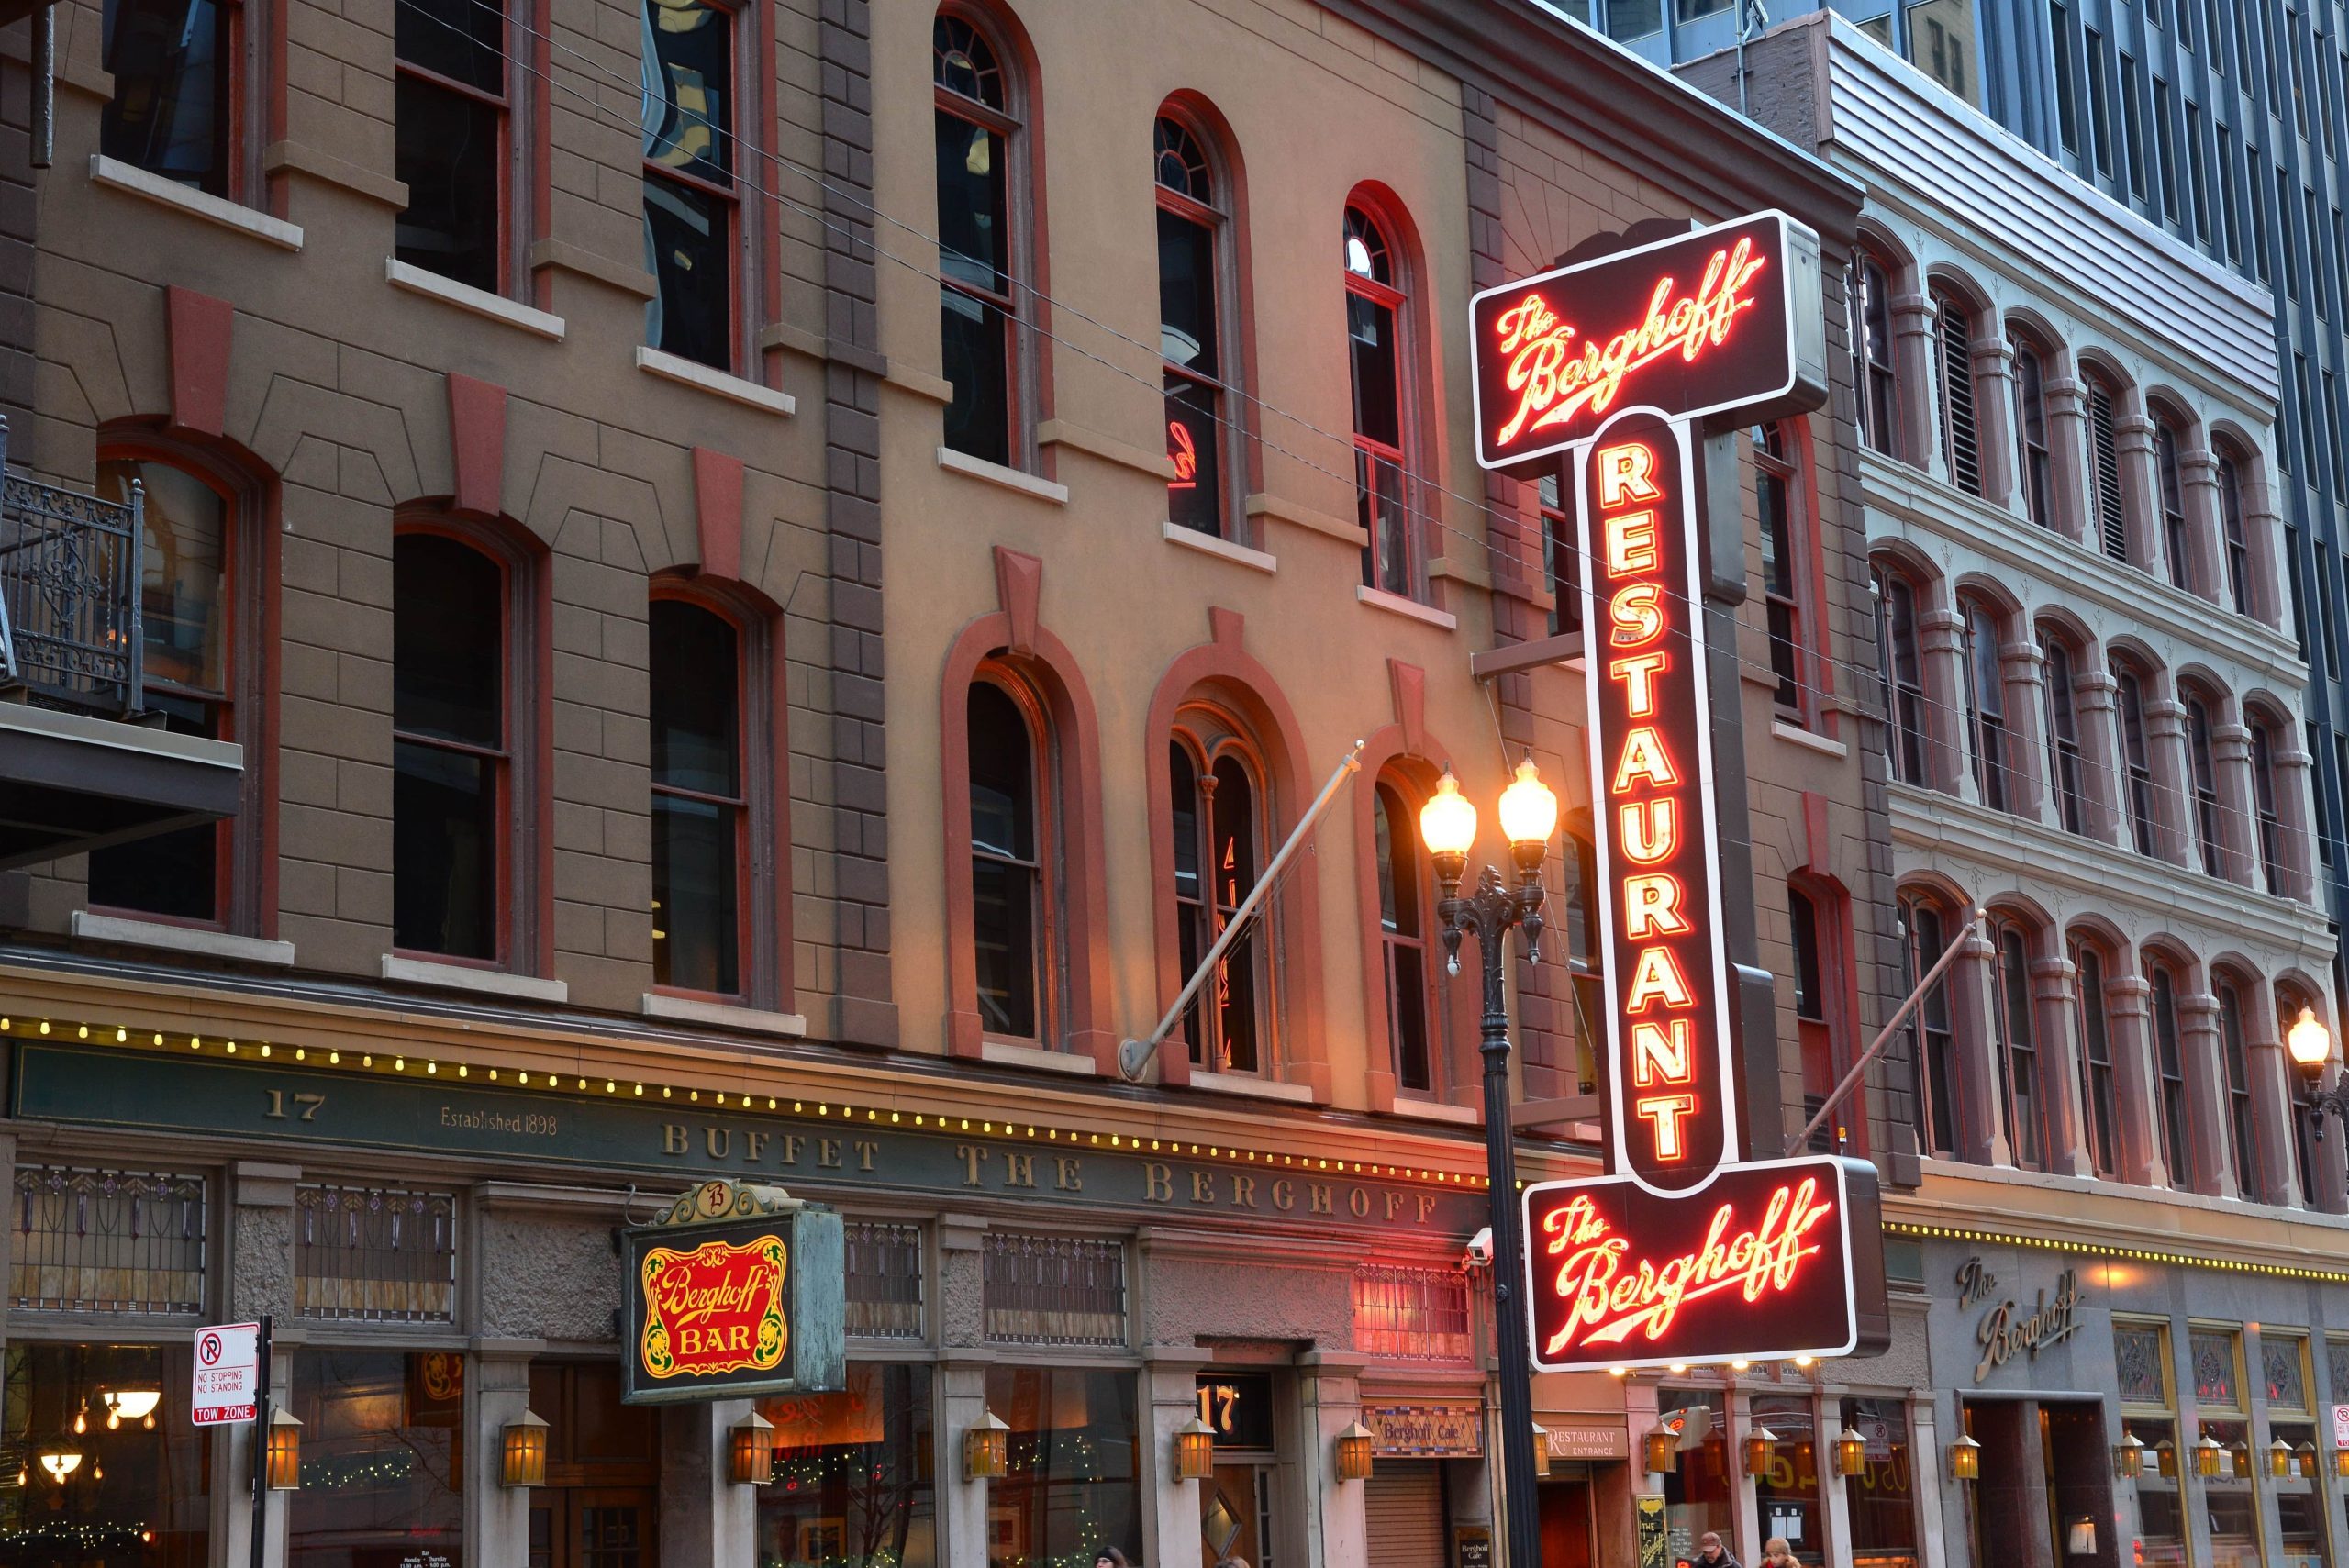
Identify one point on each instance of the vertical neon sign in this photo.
(1651, 756)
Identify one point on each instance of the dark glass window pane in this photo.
(448, 652)
(974, 238)
(696, 886)
(449, 150)
(695, 669)
(1076, 1459)
(1233, 812)
(383, 1459)
(170, 111)
(1370, 326)
(1186, 315)
(1007, 890)
(463, 40)
(1194, 441)
(1003, 802)
(152, 1506)
(975, 341)
(689, 89)
(445, 837)
(1004, 930)
(853, 1472)
(182, 563)
(1810, 992)
(1183, 782)
(1387, 558)
(963, 61)
(174, 874)
(688, 236)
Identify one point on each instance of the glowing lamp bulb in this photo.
(1448, 821)
(2309, 1040)
(1528, 807)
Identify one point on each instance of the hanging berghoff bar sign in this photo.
(1691, 1249)
(735, 1290)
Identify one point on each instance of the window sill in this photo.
(482, 982)
(1003, 1053)
(129, 178)
(996, 474)
(1411, 609)
(1221, 548)
(193, 940)
(725, 1015)
(464, 296)
(718, 383)
(1251, 1088)
(1436, 1110)
(1801, 737)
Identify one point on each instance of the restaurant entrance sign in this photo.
(1687, 1251)
(735, 1290)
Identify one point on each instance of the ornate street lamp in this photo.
(1661, 1450)
(2311, 1044)
(2279, 1458)
(1448, 825)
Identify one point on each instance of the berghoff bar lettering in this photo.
(175, 1093)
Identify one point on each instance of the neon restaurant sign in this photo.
(1686, 1251)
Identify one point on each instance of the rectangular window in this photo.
(451, 759)
(2242, 45)
(2166, 145)
(2307, 417)
(1561, 561)
(1053, 1290)
(379, 1255)
(2315, 750)
(691, 206)
(382, 1457)
(2101, 118)
(2324, 577)
(1627, 19)
(2198, 181)
(1411, 1314)
(2258, 215)
(1940, 44)
(452, 123)
(2133, 110)
(2296, 43)
(884, 1267)
(2333, 431)
(701, 843)
(2284, 236)
(106, 1241)
(2230, 213)
(2149, 1413)
(2291, 568)
(2098, 1103)
(152, 1505)
(1882, 1492)
(1076, 1456)
(174, 65)
(852, 1483)
(2067, 91)
(1775, 491)
(2313, 238)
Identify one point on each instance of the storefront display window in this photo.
(383, 1459)
(2222, 1415)
(2300, 1503)
(1697, 1489)
(1881, 1494)
(1786, 1495)
(1076, 1459)
(853, 1474)
(129, 1488)
(2149, 1411)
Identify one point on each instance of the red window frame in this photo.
(2014, 1022)
(1037, 723)
(1395, 300)
(1397, 950)
(1218, 224)
(504, 103)
(730, 193)
(1210, 913)
(2177, 543)
(747, 729)
(2099, 1103)
(1006, 124)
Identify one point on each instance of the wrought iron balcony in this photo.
(83, 764)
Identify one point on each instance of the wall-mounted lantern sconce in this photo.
(2129, 1457)
(1662, 1449)
(284, 1457)
(986, 1449)
(750, 1449)
(1850, 1453)
(522, 1451)
(1194, 1450)
(1761, 1447)
(1965, 1459)
(1354, 1456)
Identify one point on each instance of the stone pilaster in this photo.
(2068, 475)
(2205, 1096)
(2173, 778)
(2054, 1000)
(2133, 439)
(1941, 651)
(2104, 781)
(2023, 669)
(2237, 851)
(1994, 419)
(2136, 1085)
(1918, 439)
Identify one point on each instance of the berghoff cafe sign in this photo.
(1684, 1253)
(2006, 1330)
(1426, 1431)
(177, 1093)
(735, 1290)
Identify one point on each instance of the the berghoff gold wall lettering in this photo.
(2004, 1330)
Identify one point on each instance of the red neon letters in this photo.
(1665, 967)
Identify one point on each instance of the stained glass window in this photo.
(2215, 1377)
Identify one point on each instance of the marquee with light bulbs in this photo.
(1685, 1252)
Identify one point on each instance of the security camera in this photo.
(1479, 1254)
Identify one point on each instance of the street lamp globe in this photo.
(1448, 821)
(1529, 811)
(2309, 1040)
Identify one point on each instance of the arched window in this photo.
(2018, 1042)
(1219, 832)
(2263, 799)
(2105, 508)
(1374, 332)
(1900, 665)
(2231, 526)
(188, 566)
(2203, 770)
(1872, 367)
(2063, 762)
(977, 125)
(1404, 902)
(2176, 544)
(2129, 702)
(693, 207)
(452, 747)
(1986, 700)
(1953, 382)
(1817, 921)
(2033, 469)
(1784, 562)
(2169, 1071)
(701, 844)
(1194, 233)
(1010, 895)
(1933, 1041)
(2242, 1147)
(2098, 1105)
